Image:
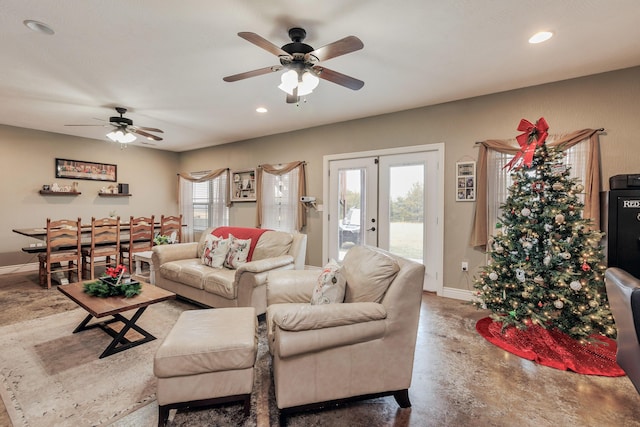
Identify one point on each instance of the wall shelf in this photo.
(114, 194)
(59, 193)
(243, 185)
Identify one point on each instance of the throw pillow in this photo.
(215, 251)
(331, 285)
(369, 273)
(238, 252)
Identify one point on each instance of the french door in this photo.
(391, 199)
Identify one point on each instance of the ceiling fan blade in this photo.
(254, 73)
(145, 134)
(338, 78)
(341, 47)
(263, 43)
(147, 129)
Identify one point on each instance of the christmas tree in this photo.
(546, 263)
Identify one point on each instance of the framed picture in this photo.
(76, 169)
(466, 181)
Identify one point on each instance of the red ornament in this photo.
(585, 267)
(538, 186)
(540, 304)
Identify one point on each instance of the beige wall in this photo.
(610, 100)
(28, 163)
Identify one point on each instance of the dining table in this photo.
(40, 233)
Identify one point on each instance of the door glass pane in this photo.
(350, 202)
(406, 211)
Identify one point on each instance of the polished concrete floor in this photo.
(459, 378)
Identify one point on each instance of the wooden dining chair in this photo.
(105, 244)
(63, 242)
(170, 225)
(140, 239)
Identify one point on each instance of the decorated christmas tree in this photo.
(546, 264)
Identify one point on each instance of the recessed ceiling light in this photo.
(38, 27)
(540, 37)
(261, 110)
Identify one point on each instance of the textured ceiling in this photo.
(164, 60)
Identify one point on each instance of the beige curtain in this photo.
(281, 170)
(207, 177)
(479, 232)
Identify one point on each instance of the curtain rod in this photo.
(599, 130)
(280, 164)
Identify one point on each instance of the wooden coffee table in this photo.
(113, 306)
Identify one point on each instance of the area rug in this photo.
(52, 377)
(554, 349)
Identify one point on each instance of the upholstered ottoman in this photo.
(207, 358)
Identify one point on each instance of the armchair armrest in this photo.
(320, 327)
(291, 286)
(166, 253)
(308, 317)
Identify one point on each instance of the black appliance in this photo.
(621, 222)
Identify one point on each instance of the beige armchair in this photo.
(359, 349)
(623, 292)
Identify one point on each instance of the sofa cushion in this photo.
(215, 251)
(219, 281)
(331, 285)
(238, 252)
(187, 271)
(369, 273)
(272, 244)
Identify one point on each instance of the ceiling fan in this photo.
(301, 60)
(124, 129)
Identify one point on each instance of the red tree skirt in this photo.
(554, 349)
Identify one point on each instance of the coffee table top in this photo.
(100, 307)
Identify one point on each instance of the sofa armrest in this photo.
(308, 317)
(166, 253)
(291, 286)
(266, 264)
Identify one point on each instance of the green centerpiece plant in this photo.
(113, 283)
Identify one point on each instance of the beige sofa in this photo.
(178, 268)
(361, 348)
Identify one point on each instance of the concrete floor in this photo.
(459, 378)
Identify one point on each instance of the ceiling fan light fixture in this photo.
(288, 81)
(121, 136)
(307, 84)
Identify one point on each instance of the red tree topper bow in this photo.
(528, 142)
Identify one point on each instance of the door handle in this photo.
(371, 229)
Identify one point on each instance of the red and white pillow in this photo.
(238, 252)
(331, 285)
(215, 251)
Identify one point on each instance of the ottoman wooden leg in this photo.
(163, 415)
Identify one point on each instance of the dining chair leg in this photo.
(42, 272)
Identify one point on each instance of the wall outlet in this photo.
(465, 266)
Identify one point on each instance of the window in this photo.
(280, 201)
(499, 177)
(203, 202)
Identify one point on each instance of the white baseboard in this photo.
(455, 293)
(20, 268)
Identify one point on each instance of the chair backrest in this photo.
(63, 234)
(623, 292)
(105, 231)
(141, 231)
(170, 225)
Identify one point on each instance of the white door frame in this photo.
(438, 257)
